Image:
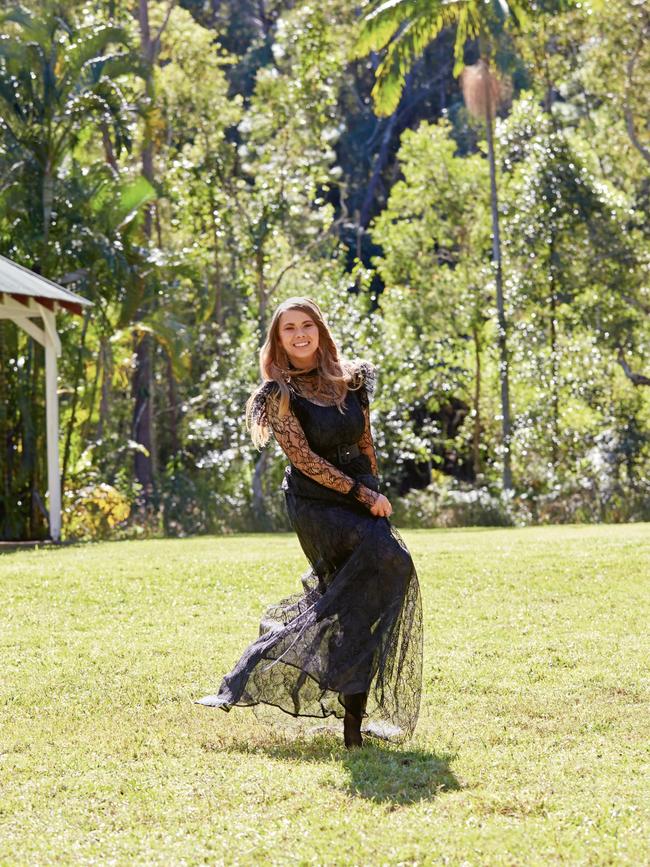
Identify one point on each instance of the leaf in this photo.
(402, 53)
(89, 47)
(132, 196)
(379, 25)
(123, 199)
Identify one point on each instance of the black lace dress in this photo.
(357, 624)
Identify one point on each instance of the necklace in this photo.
(305, 372)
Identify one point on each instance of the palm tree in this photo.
(56, 81)
(481, 92)
(404, 28)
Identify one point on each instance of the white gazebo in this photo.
(25, 297)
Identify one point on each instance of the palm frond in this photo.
(521, 10)
(404, 28)
(403, 51)
(10, 49)
(90, 47)
(469, 25)
(390, 77)
(172, 335)
(17, 15)
(114, 65)
(380, 25)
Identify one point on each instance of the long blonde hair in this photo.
(277, 372)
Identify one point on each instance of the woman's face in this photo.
(299, 337)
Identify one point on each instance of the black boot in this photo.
(355, 706)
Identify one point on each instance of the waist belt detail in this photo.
(343, 454)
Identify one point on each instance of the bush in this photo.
(95, 511)
(446, 503)
(451, 504)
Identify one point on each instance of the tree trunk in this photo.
(87, 428)
(142, 419)
(217, 279)
(476, 433)
(142, 413)
(262, 293)
(630, 124)
(555, 397)
(174, 413)
(502, 339)
(109, 152)
(260, 516)
(48, 199)
(105, 361)
(380, 164)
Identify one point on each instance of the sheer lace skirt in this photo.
(355, 627)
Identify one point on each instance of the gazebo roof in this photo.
(21, 284)
(24, 297)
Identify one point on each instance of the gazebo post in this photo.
(52, 424)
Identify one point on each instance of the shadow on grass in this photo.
(398, 776)
(381, 772)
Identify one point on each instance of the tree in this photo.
(404, 28)
(142, 385)
(434, 235)
(60, 89)
(572, 260)
(481, 90)
(56, 81)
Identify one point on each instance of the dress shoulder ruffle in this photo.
(259, 403)
(364, 377)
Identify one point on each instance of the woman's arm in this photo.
(291, 437)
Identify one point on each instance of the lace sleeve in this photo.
(293, 442)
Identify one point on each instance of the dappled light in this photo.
(324, 432)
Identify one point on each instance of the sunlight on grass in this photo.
(532, 745)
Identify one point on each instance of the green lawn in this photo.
(533, 745)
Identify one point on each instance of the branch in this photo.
(636, 378)
(156, 39)
(629, 117)
(634, 302)
(73, 276)
(306, 249)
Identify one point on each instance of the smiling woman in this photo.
(351, 643)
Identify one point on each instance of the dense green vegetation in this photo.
(187, 165)
(531, 748)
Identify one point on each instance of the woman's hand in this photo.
(381, 507)
(375, 502)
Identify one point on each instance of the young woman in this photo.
(351, 643)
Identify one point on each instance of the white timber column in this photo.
(22, 314)
(52, 351)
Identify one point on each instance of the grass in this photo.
(532, 746)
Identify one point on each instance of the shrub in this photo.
(451, 504)
(95, 511)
